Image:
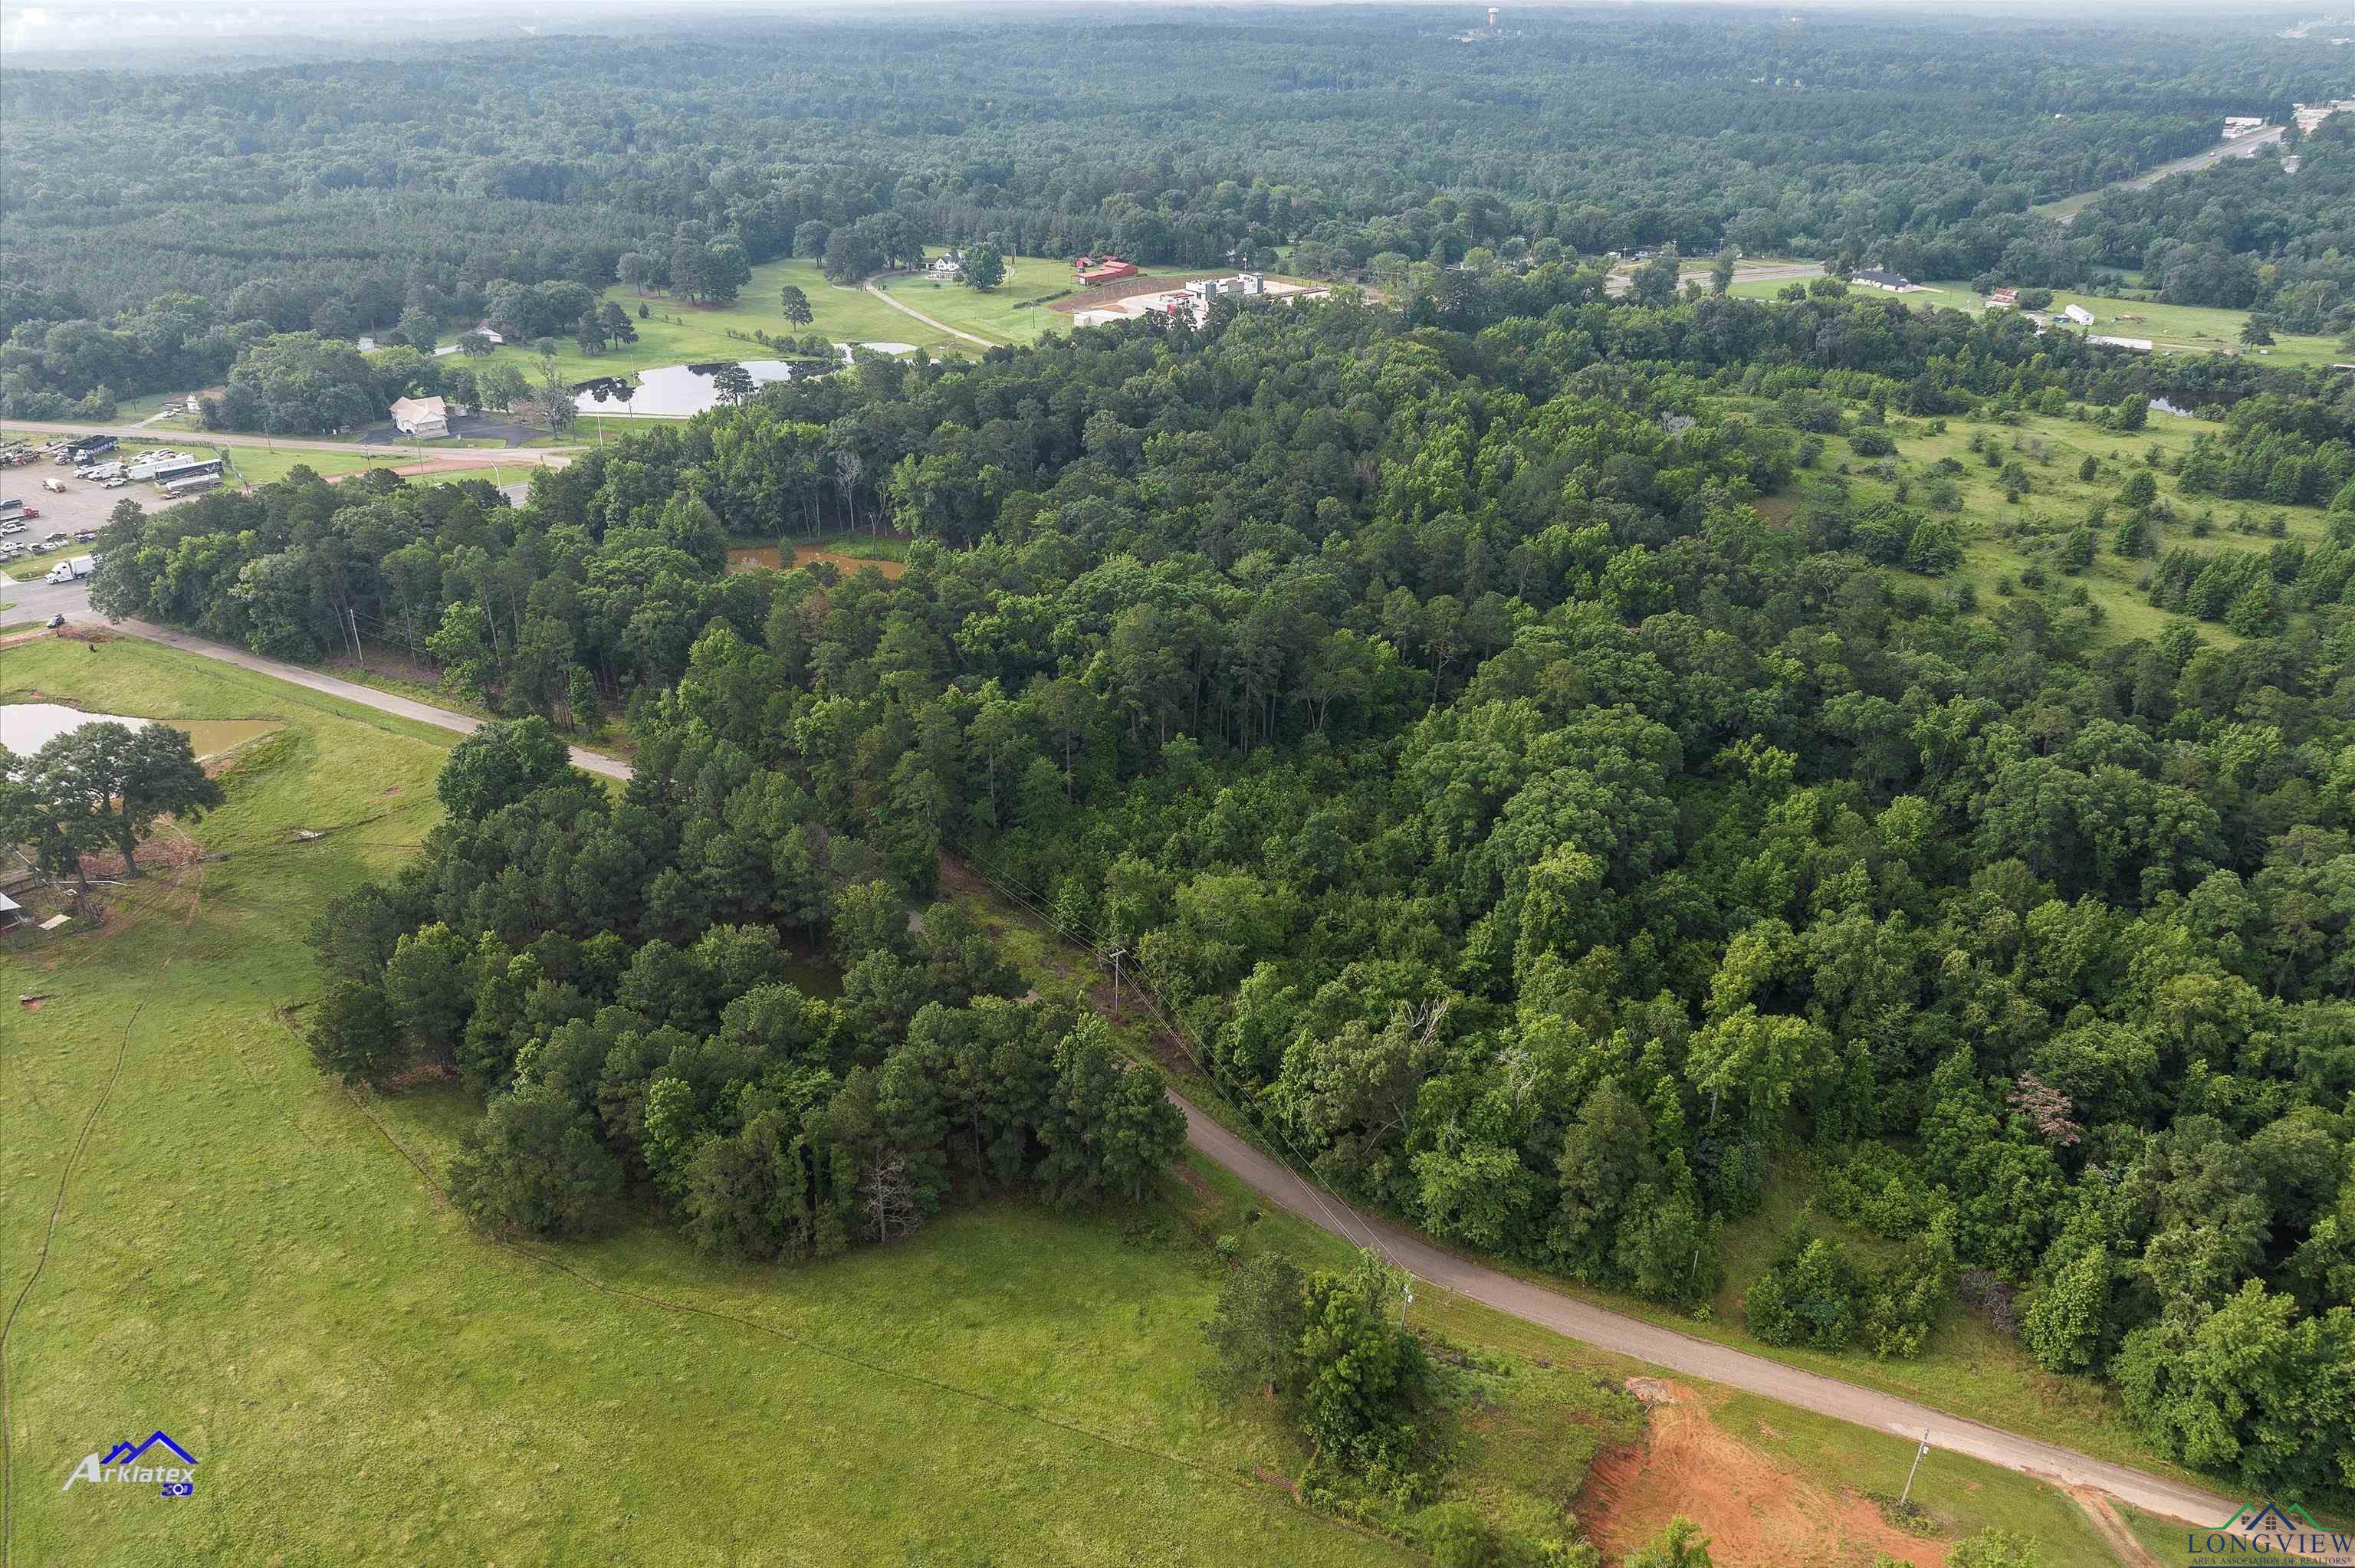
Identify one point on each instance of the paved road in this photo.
(1272, 1180)
(281, 443)
(907, 310)
(2246, 147)
(1697, 1358)
(41, 600)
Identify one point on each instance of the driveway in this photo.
(907, 310)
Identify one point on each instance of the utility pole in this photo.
(1908, 1493)
(1116, 955)
(1406, 1299)
(353, 620)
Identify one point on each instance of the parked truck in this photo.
(80, 452)
(72, 571)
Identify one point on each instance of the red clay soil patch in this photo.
(2113, 1530)
(1103, 294)
(1756, 1513)
(156, 854)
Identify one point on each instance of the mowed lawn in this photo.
(677, 333)
(245, 1261)
(1003, 314)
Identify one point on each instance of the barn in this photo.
(1089, 270)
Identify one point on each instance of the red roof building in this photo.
(1089, 270)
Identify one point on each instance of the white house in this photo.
(425, 419)
(947, 267)
(2079, 314)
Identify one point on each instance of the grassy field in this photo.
(1001, 315)
(2003, 541)
(247, 1259)
(675, 333)
(2171, 329)
(264, 465)
(1968, 1368)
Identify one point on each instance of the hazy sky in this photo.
(102, 26)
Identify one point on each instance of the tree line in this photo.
(1552, 849)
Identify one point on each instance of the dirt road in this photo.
(1532, 1303)
(908, 310)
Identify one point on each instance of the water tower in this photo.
(1492, 18)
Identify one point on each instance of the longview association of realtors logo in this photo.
(121, 1464)
(2270, 1532)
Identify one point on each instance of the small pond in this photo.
(25, 727)
(669, 391)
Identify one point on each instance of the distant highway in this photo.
(2245, 147)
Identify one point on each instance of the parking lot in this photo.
(83, 506)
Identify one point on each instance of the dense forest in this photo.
(153, 226)
(1542, 842)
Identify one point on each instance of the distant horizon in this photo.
(86, 26)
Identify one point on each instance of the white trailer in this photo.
(155, 463)
(72, 571)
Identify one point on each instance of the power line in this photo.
(1316, 1191)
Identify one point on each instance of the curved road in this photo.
(1702, 1357)
(37, 600)
(1596, 1326)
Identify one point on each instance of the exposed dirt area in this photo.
(2114, 1532)
(755, 558)
(1105, 294)
(1757, 1513)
